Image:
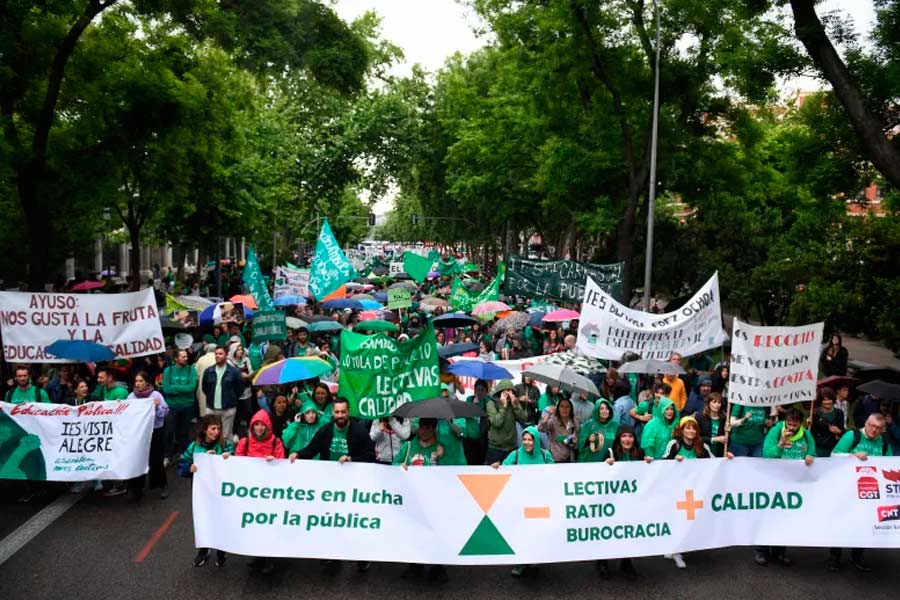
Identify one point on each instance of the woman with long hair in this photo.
(835, 357)
(561, 426)
(713, 427)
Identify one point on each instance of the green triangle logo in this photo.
(486, 539)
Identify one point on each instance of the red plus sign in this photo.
(689, 505)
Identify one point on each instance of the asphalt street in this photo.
(112, 548)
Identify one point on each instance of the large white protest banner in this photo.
(608, 329)
(291, 282)
(127, 323)
(774, 365)
(541, 513)
(58, 442)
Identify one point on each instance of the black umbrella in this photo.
(881, 389)
(379, 270)
(316, 318)
(457, 319)
(474, 286)
(457, 349)
(438, 408)
(877, 372)
(401, 276)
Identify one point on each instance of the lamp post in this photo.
(107, 217)
(651, 197)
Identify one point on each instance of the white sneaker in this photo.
(166, 463)
(679, 561)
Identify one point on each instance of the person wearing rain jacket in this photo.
(260, 442)
(530, 453)
(657, 433)
(595, 437)
(299, 433)
(503, 411)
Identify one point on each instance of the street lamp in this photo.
(651, 197)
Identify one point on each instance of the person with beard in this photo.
(261, 442)
(342, 442)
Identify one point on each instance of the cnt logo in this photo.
(889, 513)
(892, 488)
(867, 485)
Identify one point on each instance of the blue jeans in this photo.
(178, 429)
(754, 451)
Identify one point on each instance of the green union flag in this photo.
(464, 300)
(330, 266)
(253, 277)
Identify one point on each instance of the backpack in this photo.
(857, 438)
(37, 394)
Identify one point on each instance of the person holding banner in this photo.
(748, 429)
(503, 411)
(713, 429)
(595, 437)
(143, 389)
(300, 432)
(789, 440)
(25, 391)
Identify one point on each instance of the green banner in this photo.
(378, 373)
(464, 300)
(450, 267)
(330, 267)
(256, 283)
(269, 326)
(561, 280)
(399, 298)
(416, 266)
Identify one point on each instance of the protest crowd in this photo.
(220, 388)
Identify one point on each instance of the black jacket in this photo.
(359, 444)
(232, 386)
(706, 435)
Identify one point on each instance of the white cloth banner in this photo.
(774, 365)
(58, 442)
(541, 513)
(127, 323)
(608, 329)
(291, 282)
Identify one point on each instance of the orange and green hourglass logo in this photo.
(486, 539)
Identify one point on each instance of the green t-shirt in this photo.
(874, 447)
(754, 430)
(19, 396)
(339, 445)
(414, 454)
(798, 449)
(117, 392)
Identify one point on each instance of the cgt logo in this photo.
(892, 488)
(867, 485)
(889, 513)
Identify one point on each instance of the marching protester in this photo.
(222, 385)
(107, 386)
(503, 411)
(143, 389)
(748, 429)
(835, 357)
(389, 435)
(595, 437)
(657, 433)
(827, 422)
(24, 390)
(299, 433)
(713, 426)
(179, 384)
(561, 426)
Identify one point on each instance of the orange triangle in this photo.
(485, 489)
(338, 293)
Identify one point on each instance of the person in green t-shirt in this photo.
(789, 440)
(179, 385)
(869, 441)
(25, 391)
(107, 387)
(748, 429)
(423, 450)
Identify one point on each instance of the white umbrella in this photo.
(577, 362)
(652, 367)
(295, 323)
(566, 379)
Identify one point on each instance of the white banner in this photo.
(127, 323)
(395, 267)
(291, 282)
(608, 329)
(536, 514)
(774, 365)
(58, 442)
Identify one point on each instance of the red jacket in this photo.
(268, 445)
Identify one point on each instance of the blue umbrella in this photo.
(457, 349)
(290, 300)
(479, 369)
(342, 303)
(370, 304)
(81, 351)
(321, 326)
(457, 319)
(536, 318)
(380, 296)
(207, 317)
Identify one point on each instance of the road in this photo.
(109, 547)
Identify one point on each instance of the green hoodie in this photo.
(179, 386)
(537, 456)
(649, 406)
(298, 434)
(202, 448)
(607, 430)
(454, 454)
(657, 433)
(802, 444)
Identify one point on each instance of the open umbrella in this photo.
(245, 299)
(836, 382)
(474, 285)
(457, 349)
(80, 351)
(342, 303)
(320, 326)
(479, 369)
(879, 389)
(401, 276)
(290, 300)
(652, 367)
(493, 306)
(211, 315)
(375, 326)
(316, 318)
(562, 314)
(536, 318)
(457, 319)
(381, 297)
(362, 297)
(566, 379)
(289, 370)
(514, 322)
(576, 362)
(85, 286)
(403, 284)
(370, 304)
(295, 323)
(438, 408)
(434, 301)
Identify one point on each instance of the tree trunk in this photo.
(37, 223)
(134, 234)
(811, 32)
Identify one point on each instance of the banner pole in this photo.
(727, 427)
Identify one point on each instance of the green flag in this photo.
(330, 267)
(416, 266)
(464, 300)
(378, 373)
(256, 284)
(450, 267)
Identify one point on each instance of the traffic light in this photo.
(371, 219)
(415, 219)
